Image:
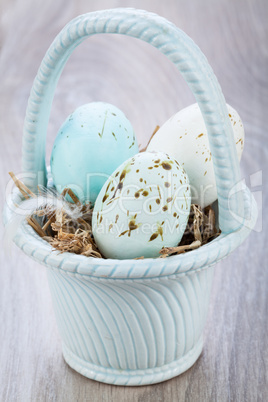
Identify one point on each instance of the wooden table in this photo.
(147, 87)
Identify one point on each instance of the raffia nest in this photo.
(67, 234)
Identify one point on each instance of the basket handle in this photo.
(189, 60)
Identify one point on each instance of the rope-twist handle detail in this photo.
(186, 56)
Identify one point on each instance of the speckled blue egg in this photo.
(90, 145)
(143, 207)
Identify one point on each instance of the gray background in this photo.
(146, 86)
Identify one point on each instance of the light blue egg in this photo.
(90, 145)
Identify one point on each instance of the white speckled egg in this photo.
(143, 207)
(184, 137)
(90, 145)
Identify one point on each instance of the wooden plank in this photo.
(140, 81)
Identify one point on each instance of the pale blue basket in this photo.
(135, 322)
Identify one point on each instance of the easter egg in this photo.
(184, 137)
(142, 207)
(90, 145)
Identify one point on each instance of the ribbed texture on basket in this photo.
(131, 325)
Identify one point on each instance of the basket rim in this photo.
(40, 250)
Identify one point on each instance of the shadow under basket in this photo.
(135, 322)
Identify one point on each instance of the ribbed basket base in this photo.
(133, 377)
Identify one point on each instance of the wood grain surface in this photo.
(146, 86)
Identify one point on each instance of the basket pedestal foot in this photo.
(133, 377)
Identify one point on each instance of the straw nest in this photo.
(74, 235)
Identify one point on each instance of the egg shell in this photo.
(143, 207)
(90, 145)
(184, 137)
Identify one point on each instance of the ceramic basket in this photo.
(135, 322)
